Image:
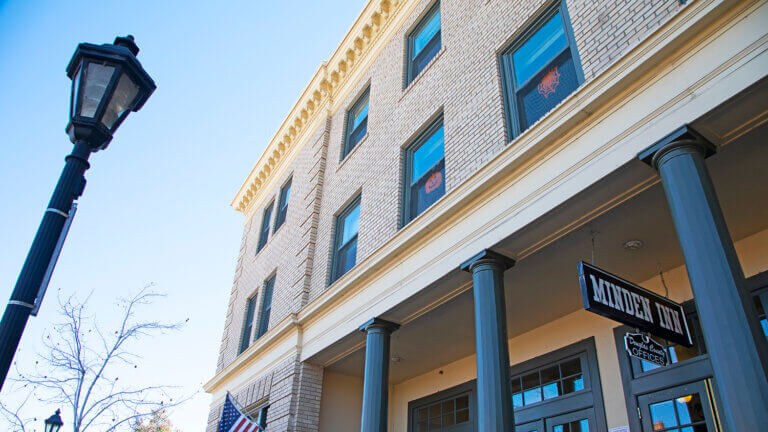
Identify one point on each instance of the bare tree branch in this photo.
(81, 359)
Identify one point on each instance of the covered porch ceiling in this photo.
(438, 323)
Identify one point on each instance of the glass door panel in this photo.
(684, 408)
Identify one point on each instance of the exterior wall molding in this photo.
(349, 60)
(588, 109)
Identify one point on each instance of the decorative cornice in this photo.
(329, 78)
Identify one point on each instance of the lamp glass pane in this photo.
(97, 78)
(121, 102)
(75, 89)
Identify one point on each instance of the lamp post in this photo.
(108, 83)
(54, 423)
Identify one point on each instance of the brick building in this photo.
(413, 229)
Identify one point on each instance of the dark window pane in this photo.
(547, 89)
(245, 340)
(571, 367)
(422, 414)
(550, 374)
(462, 416)
(516, 385)
(282, 204)
(266, 307)
(539, 50)
(462, 402)
(448, 420)
(434, 424)
(580, 426)
(573, 384)
(531, 381)
(448, 406)
(761, 307)
(422, 426)
(434, 411)
(265, 221)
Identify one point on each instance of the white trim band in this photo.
(20, 303)
(57, 211)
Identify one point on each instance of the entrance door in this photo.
(685, 408)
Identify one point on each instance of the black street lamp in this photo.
(108, 82)
(54, 423)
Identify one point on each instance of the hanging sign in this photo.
(612, 297)
(643, 347)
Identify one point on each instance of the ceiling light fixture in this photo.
(633, 245)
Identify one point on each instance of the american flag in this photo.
(233, 420)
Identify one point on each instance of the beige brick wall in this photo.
(292, 390)
(287, 254)
(463, 83)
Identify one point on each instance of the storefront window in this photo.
(547, 383)
(450, 410)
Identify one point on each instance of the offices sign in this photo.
(643, 347)
(613, 297)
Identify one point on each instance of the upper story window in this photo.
(265, 221)
(540, 69)
(245, 338)
(266, 306)
(345, 240)
(282, 204)
(357, 123)
(423, 43)
(424, 171)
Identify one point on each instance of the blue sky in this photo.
(156, 207)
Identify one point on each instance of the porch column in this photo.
(376, 379)
(727, 316)
(494, 397)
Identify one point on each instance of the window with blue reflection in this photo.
(266, 219)
(430, 29)
(425, 171)
(539, 70)
(357, 123)
(424, 42)
(539, 50)
(345, 241)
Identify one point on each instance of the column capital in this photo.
(684, 136)
(373, 323)
(487, 255)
